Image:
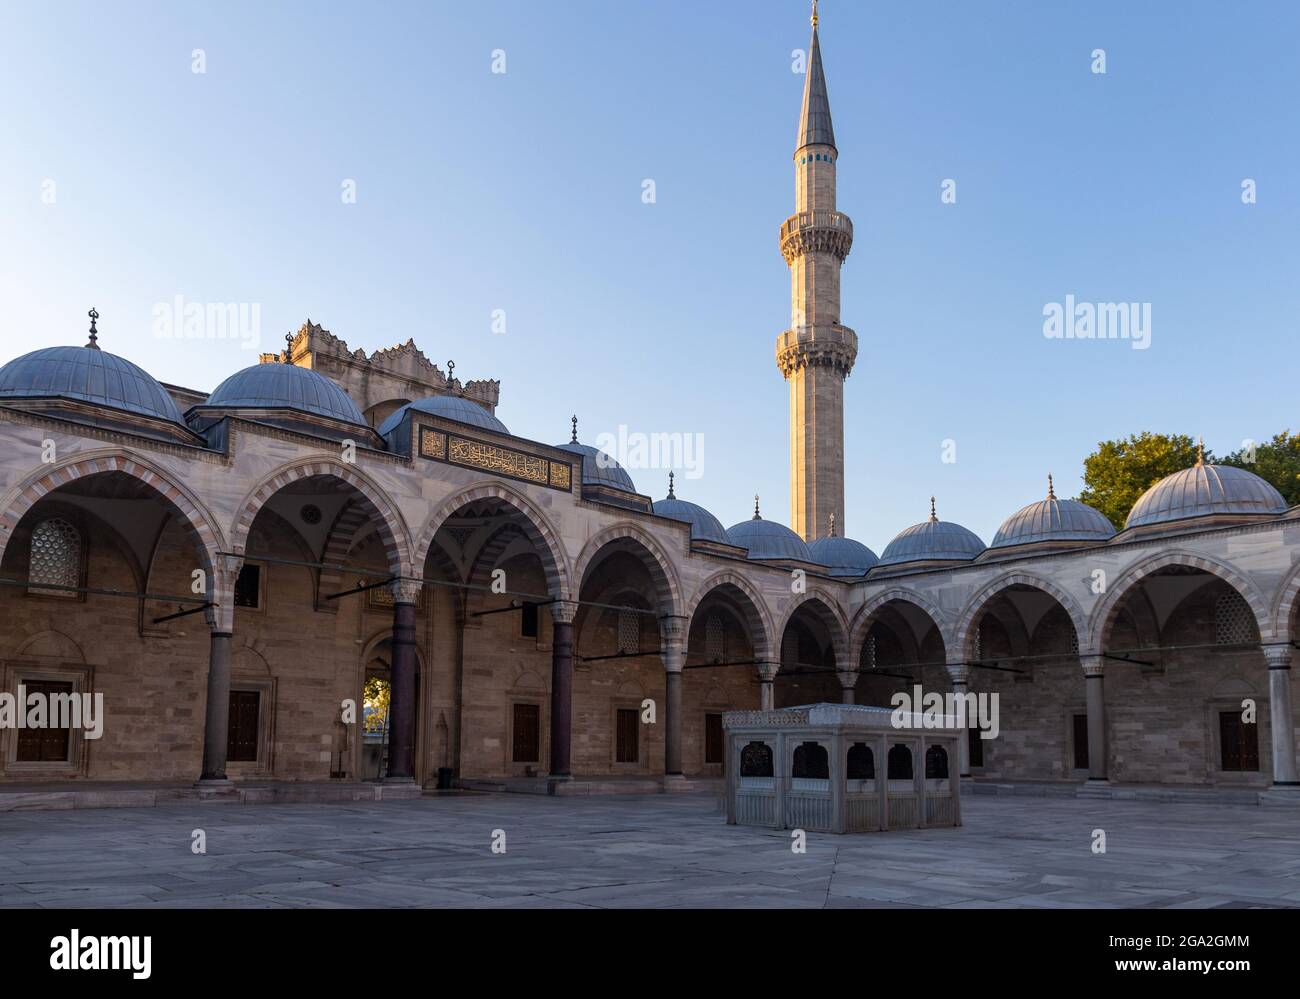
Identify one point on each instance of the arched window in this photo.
(936, 762)
(756, 760)
(811, 761)
(629, 632)
(900, 762)
(55, 556)
(714, 639)
(862, 762)
(1234, 621)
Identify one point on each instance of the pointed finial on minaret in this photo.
(1051, 489)
(933, 519)
(814, 17)
(832, 534)
(1200, 451)
(575, 428)
(93, 343)
(671, 495)
(756, 516)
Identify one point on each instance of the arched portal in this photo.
(1183, 641)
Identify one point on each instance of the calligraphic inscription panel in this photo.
(437, 445)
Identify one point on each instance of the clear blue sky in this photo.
(522, 192)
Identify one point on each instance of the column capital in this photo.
(673, 629)
(1093, 665)
(564, 611)
(848, 677)
(958, 672)
(1278, 656)
(405, 591)
(221, 591)
(767, 671)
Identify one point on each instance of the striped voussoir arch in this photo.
(190, 513)
(368, 498)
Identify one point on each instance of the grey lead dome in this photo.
(449, 407)
(285, 386)
(1206, 490)
(1053, 519)
(842, 556)
(768, 539)
(87, 374)
(932, 540)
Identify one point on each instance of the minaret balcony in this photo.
(816, 232)
(833, 346)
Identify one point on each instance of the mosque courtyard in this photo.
(654, 851)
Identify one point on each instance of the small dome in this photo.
(285, 386)
(1203, 491)
(1052, 519)
(449, 407)
(598, 468)
(704, 526)
(842, 556)
(90, 375)
(768, 539)
(933, 540)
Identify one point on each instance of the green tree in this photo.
(1276, 462)
(1119, 472)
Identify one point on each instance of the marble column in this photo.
(767, 685)
(221, 619)
(959, 674)
(562, 614)
(848, 681)
(1092, 671)
(672, 650)
(402, 708)
(1281, 718)
(216, 733)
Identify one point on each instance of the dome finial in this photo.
(814, 14)
(1051, 489)
(832, 534)
(671, 494)
(933, 519)
(93, 343)
(574, 421)
(288, 347)
(1200, 451)
(756, 516)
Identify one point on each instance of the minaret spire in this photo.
(815, 127)
(817, 352)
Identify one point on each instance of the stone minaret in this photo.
(816, 354)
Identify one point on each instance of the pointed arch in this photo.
(758, 616)
(388, 519)
(968, 619)
(192, 514)
(1284, 604)
(1104, 614)
(830, 615)
(537, 527)
(655, 559)
(866, 617)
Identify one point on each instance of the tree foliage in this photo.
(1276, 461)
(1119, 472)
